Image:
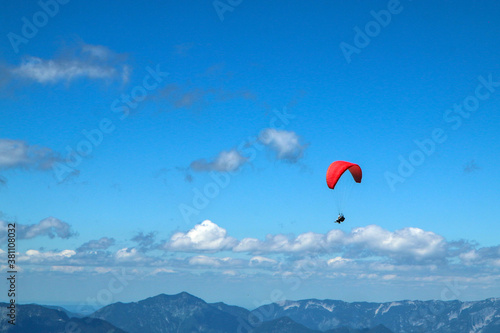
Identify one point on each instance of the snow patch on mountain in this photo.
(390, 306)
(322, 305)
(466, 305)
(378, 309)
(291, 305)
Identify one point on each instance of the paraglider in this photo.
(333, 175)
(340, 219)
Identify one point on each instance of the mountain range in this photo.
(186, 313)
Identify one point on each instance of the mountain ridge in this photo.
(184, 312)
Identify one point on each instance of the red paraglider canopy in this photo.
(337, 168)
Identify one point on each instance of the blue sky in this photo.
(246, 104)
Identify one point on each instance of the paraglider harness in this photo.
(340, 219)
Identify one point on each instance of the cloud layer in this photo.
(372, 253)
(405, 245)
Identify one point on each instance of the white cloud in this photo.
(382, 266)
(368, 276)
(469, 257)
(337, 262)
(227, 161)
(162, 271)
(49, 226)
(129, 255)
(38, 257)
(404, 243)
(286, 144)
(18, 154)
(262, 262)
(483, 256)
(309, 241)
(103, 270)
(335, 236)
(307, 266)
(13, 153)
(206, 236)
(94, 62)
(145, 242)
(407, 244)
(66, 269)
(248, 245)
(101, 244)
(306, 242)
(51, 71)
(211, 261)
(97, 51)
(370, 241)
